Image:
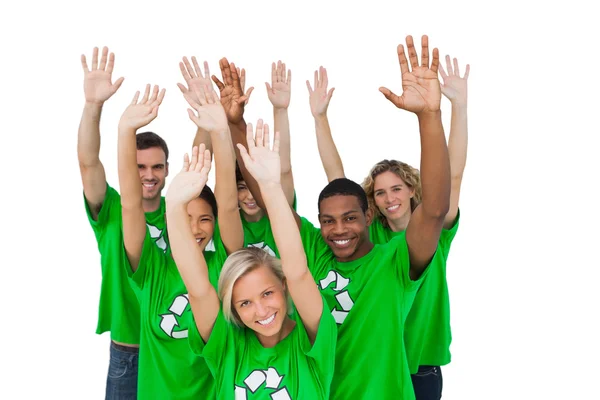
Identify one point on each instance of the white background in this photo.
(523, 267)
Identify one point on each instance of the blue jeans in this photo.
(428, 383)
(121, 383)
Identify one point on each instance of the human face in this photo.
(247, 203)
(259, 299)
(153, 169)
(344, 227)
(392, 196)
(202, 221)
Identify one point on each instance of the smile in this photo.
(268, 320)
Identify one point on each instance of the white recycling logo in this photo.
(264, 246)
(156, 233)
(272, 380)
(343, 297)
(168, 321)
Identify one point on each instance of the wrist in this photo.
(320, 118)
(125, 129)
(93, 105)
(427, 116)
(279, 110)
(269, 186)
(459, 105)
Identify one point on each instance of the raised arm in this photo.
(195, 80)
(137, 115)
(279, 92)
(319, 102)
(455, 89)
(185, 187)
(97, 87)
(421, 95)
(264, 165)
(211, 118)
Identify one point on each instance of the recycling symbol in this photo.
(343, 297)
(168, 321)
(272, 380)
(264, 246)
(156, 233)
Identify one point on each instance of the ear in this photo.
(167, 169)
(369, 216)
(412, 192)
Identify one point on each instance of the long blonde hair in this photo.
(239, 264)
(409, 175)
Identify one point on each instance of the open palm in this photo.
(279, 91)
(141, 113)
(319, 97)
(260, 160)
(97, 83)
(233, 98)
(194, 78)
(192, 178)
(454, 87)
(210, 115)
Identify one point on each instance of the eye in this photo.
(268, 293)
(378, 193)
(244, 303)
(325, 221)
(206, 219)
(159, 167)
(350, 218)
(397, 189)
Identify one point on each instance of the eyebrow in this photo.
(395, 186)
(153, 166)
(267, 289)
(343, 215)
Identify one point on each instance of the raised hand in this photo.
(420, 87)
(233, 98)
(210, 113)
(242, 75)
(141, 113)
(319, 97)
(190, 181)
(454, 87)
(262, 162)
(279, 91)
(97, 82)
(194, 78)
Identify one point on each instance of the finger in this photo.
(283, 71)
(456, 70)
(273, 73)
(329, 94)
(161, 96)
(207, 162)
(186, 162)
(258, 138)
(402, 59)
(435, 62)
(266, 136)
(449, 65)
(84, 64)
(199, 157)
(276, 142)
(208, 95)
(146, 94)
(316, 82)
(117, 84)
(95, 59)
(242, 75)
(289, 77)
(111, 63)
(235, 79)
(196, 67)
(184, 72)
(103, 59)
(324, 79)
(193, 117)
(182, 88)
(154, 96)
(467, 69)
(206, 70)
(310, 91)
(269, 89)
(194, 158)
(250, 137)
(245, 98)
(425, 51)
(244, 154)
(217, 82)
(226, 71)
(189, 68)
(391, 96)
(412, 53)
(135, 98)
(191, 100)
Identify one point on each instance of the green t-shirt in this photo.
(119, 310)
(427, 333)
(167, 368)
(259, 234)
(293, 369)
(370, 299)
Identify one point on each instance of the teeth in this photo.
(149, 185)
(392, 208)
(342, 241)
(198, 240)
(268, 320)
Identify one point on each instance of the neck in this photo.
(151, 205)
(359, 253)
(271, 341)
(400, 224)
(254, 218)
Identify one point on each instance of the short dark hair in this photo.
(344, 187)
(147, 140)
(238, 173)
(207, 195)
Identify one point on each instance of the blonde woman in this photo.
(250, 343)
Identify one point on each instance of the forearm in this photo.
(186, 252)
(88, 137)
(330, 158)
(458, 140)
(282, 125)
(238, 136)
(203, 136)
(435, 166)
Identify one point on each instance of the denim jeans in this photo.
(428, 383)
(121, 383)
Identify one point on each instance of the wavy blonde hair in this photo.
(409, 175)
(236, 266)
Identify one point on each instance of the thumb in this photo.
(269, 89)
(330, 94)
(391, 96)
(117, 84)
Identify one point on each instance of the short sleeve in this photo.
(152, 257)
(110, 205)
(314, 246)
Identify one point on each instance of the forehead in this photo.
(199, 207)
(254, 283)
(151, 156)
(387, 179)
(339, 205)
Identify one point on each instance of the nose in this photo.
(249, 196)
(195, 227)
(388, 198)
(339, 227)
(146, 174)
(261, 310)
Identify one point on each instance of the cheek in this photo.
(379, 202)
(208, 228)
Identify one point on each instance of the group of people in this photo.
(230, 294)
